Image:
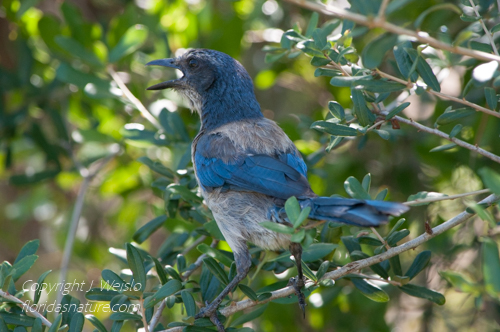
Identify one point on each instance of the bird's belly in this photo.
(238, 215)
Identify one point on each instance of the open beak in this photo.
(167, 84)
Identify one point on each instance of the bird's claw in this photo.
(297, 285)
(210, 311)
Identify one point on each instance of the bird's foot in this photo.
(297, 285)
(210, 311)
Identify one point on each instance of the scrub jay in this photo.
(247, 167)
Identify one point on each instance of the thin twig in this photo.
(143, 314)
(24, 305)
(455, 140)
(421, 36)
(443, 198)
(194, 244)
(486, 31)
(441, 95)
(355, 266)
(381, 11)
(381, 239)
(88, 174)
(130, 96)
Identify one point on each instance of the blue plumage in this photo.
(247, 167)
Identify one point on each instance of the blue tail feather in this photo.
(357, 212)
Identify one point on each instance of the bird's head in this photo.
(217, 86)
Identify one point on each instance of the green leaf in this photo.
(173, 273)
(55, 324)
(368, 240)
(369, 290)
(149, 228)
(349, 81)
(317, 250)
(382, 194)
(216, 270)
(326, 72)
(336, 110)
(423, 293)
(249, 316)
(334, 142)
(374, 52)
(133, 38)
(113, 279)
(423, 195)
(185, 193)
(157, 167)
(482, 213)
(117, 326)
(215, 253)
(135, 263)
(355, 189)
(100, 294)
(299, 236)
(491, 179)
(396, 110)
(461, 282)
(351, 243)
(124, 316)
(292, 208)
(77, 50)
(37, 326)
(318, 61)
(450, 116)
(403, 61)
(278, 228)
(16, 319)
(308, 272)
(160, 271)
(444, 147)
(467, 18)
(323, 268)
(424, 70)
(496, 28)
(364, 115)
(334, 129)
(213, 229)
(39, 282)
(76, 323)
(491, 97)
(491, 267)
(30, 248)
(444, 6)
(367, 180)
(456, 130)
(397, 236)
(313, 23)
(248, 292)
(270, 57)
(419, 263)
(22, 266)
(304, 214)
(171, 287)
(396, 265)
(189, 303)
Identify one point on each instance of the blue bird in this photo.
(247, 167)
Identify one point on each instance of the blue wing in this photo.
(280, 176)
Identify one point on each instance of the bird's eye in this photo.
(193, 63)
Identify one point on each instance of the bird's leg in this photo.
(243, 262)
(298, 283)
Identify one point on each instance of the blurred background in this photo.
(61, 113)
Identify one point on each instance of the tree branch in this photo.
(486, 31)
(442, 95)
(421, 36)
(356, 265)
(31, 310)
